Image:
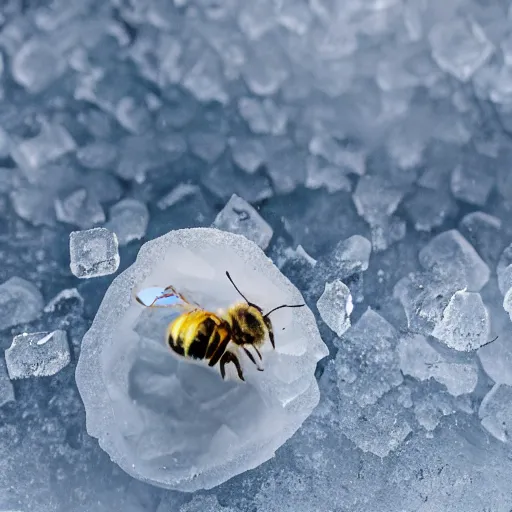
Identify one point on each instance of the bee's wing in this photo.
(156, 297)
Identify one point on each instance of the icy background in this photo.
(343, 124)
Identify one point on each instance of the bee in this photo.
(217, 337)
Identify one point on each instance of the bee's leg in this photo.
(221, 348)
(257, 352)
(251, 357)
(268, 323)
(227, 358)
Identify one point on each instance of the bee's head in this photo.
(249, 319)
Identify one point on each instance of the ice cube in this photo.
(6, 389)
(79, 209)
(460, 47)
(93, 253)
(420, 360)
(335, 306)
(20, 302)
(450, 255)
(263, 117)
(496, 412)
(208, 146)
(239, 217)
(484, 233)
(366, 364)
(39, 354)
(345, 156)
(37, 64)
(248, 154)
(177, 424)
(34, 204)
(333, 178)
(376, 199)
(52, 142)
(465, 325)
(128, 219)
(472, 184)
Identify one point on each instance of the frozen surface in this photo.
(373, 138)
(39, 354)
(93, 253)
(137, 407)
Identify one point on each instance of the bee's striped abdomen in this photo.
(196, 334)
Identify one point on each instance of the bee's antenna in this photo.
(236, 288)
(283, 306)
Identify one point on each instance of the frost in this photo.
(177, 424)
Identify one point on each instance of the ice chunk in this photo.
(484, 233)
(345, 156)
(263, 117)
(335, 306)
(133, 115)
(376, 199)
(420, 360)
(496, 412)
(34, 204)
(129, 220)
(287, 169)
(472, 184)
(36, 65)
(20, 302)
(257, 19)
(177, 424)
(429, 209)
(52, 142)
(93, 253)
(366, 364)
(79, 209)
(97, 155)
(6, 389)
(208, 146)
(39, 354)
(63, 295)
(451, 255)
(333, 178)
(465, 324)
(248, 154)
(460, 47)
(177, 194)
(504, 270)
(430, 409)
(239, 217)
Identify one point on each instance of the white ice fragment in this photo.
(6, 388)
(450, 255)
(66, 294)
(36, 65)
(158, 416)
(52, 142)
(430, 409)
(248, 154)
(93, 253)
(39, 354)
(333, 178)
(128, 219)
(472, 184)
(208, 146)
(97, 155)
(80, 209)
(429, 209)
(376, 199)
(335, 306)
(465, 324)
(420, 360)
(263, 117)
(177, 194)
(496, 412)
(20, 302)
(345, 157)
(366, 364)
(460, 47)
(239, 217)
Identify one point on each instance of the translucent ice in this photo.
(335, 306)
(452, 256)
(459, 47)
(93, 253)
(239, 217)
(420, 360)
(465, 324)
(496, 412)
(80, 209)
(20, 302)
(263, 116)
(208, 146)
(6, 389)
(248, 154)
(128, 219)
(39, 354)
(472, 184)
(177, 424)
